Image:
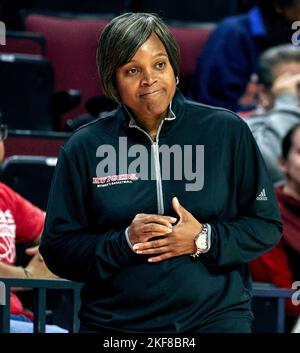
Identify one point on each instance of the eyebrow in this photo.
(161, 54)
(156, 55)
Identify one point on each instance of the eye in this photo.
(160, 65)
(132, 71)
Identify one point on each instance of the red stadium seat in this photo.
(71, 48)
(191, 40)
(34, 143)
(30, 102)
(23, 43)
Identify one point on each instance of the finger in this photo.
(32, 251)
(163, 220)
(152, 251)
(178, 208)
(151, 244)
(154, 229)
(161, 257)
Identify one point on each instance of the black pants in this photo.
(227, 325)
(222, 325)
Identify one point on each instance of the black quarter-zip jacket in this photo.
(87, 215)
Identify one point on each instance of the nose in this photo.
(148, 78)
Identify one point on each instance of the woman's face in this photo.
(147, 83)
(292, 163)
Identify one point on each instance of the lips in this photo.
(149, 94)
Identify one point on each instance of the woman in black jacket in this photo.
(158, 206)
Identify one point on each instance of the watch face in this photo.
(201, 242)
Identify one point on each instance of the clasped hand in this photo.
(174, 240)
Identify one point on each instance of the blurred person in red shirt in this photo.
(20, 222)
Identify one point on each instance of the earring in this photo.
(177, 80)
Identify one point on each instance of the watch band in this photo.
(202, 241)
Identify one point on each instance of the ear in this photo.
(282, 164)
(265, 97)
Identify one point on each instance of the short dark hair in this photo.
(287, 141)
(277, 28)
(269, 5)
(273, 57)
(122, 37)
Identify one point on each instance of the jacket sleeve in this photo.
(257, 226)
(70, 248)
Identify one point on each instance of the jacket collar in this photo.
(175, 114)
(132, 123)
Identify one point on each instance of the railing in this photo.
(269, 291)
(40, 287)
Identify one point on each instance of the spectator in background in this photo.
(20, 222)
(279, 80)
(280, 265)
(227, 66)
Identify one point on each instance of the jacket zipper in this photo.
(154, 149)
